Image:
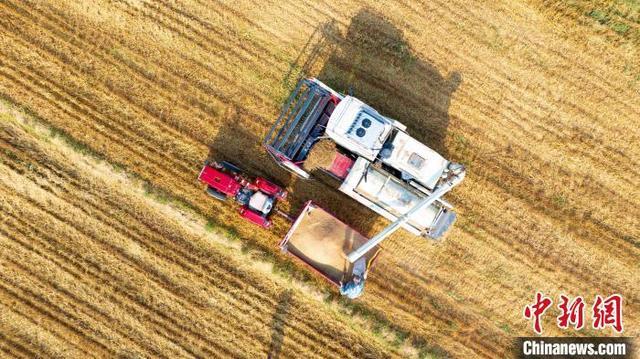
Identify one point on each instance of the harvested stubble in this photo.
(91, 266)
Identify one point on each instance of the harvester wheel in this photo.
(216, 194)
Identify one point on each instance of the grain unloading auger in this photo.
(342, 255)
(454, 175)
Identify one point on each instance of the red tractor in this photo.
(257, 196)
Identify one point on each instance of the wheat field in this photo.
(92, 267)
(539, 99)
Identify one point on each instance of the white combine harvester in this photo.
(376, 161)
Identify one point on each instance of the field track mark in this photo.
(48, 310)
(308, 18)
(307, 330)
(39, 84)
(542, 205)
(28, 319)
(207, 90)
(66, 112)
(416, 283)
(138, 70)
(126, 291)
(64, 61)
(80, 270)
(419, 308)
(102, 314)
(14, 348)
(61, 296)
(97, 264)
(165, 89)
(204, 40)
(488, 224)
(199, 86)
(580, 271)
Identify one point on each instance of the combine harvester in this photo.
(377, 163)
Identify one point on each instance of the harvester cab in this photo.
(257, 196)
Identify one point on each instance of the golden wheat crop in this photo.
(91, 266)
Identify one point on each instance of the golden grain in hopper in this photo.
(322, 155)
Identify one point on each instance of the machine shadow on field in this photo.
(374, 62)
(278, 324)
(241, 146)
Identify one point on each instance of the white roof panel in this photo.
(358, 127)
(416, 160)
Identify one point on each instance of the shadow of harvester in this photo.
(379, 65)
(375, 62)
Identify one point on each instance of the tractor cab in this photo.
(257, 197)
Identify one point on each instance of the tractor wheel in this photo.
(216, 194)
